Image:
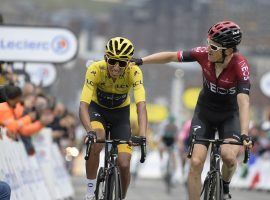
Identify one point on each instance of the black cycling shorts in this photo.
(168, 141)
(118, 119)
(207, 122)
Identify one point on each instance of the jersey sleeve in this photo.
(136, 77)
(243, 77)
(192, 55)
(90, 83)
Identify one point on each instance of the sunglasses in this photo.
(214, 47)
(121, 63)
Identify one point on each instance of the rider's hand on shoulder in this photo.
(137, 61)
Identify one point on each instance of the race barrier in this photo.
(41, 176)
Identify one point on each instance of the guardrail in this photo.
(42, 176)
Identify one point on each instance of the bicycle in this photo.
(212, 186)
(108, 185)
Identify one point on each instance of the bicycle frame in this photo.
(108, 179)
(215, 157)
(214, 174)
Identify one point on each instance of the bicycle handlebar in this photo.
(216, 141)
(133, 142)
(88, 149)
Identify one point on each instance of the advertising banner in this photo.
(37, 44)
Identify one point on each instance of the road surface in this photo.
(153, 189)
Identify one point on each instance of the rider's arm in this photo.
(166, 57)
(84, 116)
(142, 118)
(160, 58)
(243, 104)
(139, 96)
(243, 88)
(91, 79)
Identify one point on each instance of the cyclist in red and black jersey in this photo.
(223, 103)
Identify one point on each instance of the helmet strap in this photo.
(223, 57)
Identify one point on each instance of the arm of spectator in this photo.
(31, 129)
(14, 125)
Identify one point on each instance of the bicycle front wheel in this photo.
(113, 185)
(100, 187)
(213, 189)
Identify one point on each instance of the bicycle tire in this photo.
(113, 185)
(206, 186)
(213, 189)
(100, 186)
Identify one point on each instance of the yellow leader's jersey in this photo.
(101, 89)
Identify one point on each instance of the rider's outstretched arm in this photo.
(160, 58)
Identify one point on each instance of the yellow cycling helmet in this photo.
(119, 48)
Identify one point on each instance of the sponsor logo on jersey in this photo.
(89, 82)
(137, 83)
(200, 49)
(226, 80)
(123, 86)
(93, 72)
(219, 90)
(245, 70)
(135, 73)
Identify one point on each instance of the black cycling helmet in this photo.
(225, 33)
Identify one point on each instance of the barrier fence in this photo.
(41, 176)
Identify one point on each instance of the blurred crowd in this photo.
(261, 134)
(28, 109)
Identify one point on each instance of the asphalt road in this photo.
(154, 189)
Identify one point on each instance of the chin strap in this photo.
(223, 57)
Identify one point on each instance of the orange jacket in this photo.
(31, 129)
(13, 120)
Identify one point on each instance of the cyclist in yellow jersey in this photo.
(105, 99)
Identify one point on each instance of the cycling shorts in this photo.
(118, 119)
(168, 141)
(206, 122)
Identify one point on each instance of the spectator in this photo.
(12, 111)
(5, 191)
(28, 89)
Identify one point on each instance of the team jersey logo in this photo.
(93, 72)
(137, 83)
(215, 89)
(135, 73)
(89, 82)
(244, 69)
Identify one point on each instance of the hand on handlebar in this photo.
(247, 141)
(91, 136)
(137, 140)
